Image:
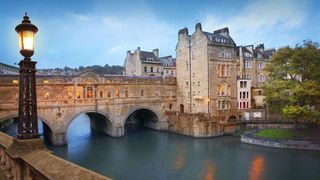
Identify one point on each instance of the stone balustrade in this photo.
(30, 159)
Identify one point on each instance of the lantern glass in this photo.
(26, 40)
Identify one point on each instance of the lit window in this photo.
(15, 81)
(46, 81)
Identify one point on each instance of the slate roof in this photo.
(149, 56)
(219, 38)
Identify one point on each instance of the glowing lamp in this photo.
(26, 31)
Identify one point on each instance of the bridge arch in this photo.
(143, 116)
(48, 129)
(99, 121)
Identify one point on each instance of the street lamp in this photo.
(28, 118)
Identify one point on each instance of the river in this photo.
(148, 154)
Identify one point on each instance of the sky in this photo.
(77, 33)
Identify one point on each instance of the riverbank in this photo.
(285, 139)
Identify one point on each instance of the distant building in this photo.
(7, 69)
(169, 66)
(143, 63)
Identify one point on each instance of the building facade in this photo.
(216, 77)
(145, 63)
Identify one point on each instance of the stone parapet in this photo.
(290, 144)
(30, 159)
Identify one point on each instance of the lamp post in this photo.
(28, 118)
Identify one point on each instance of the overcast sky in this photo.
(81, 32)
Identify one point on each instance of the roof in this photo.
(148, 56)
(213, 37)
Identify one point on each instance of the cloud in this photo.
(95, 38)
(259, 19)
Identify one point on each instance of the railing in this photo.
(30, 159)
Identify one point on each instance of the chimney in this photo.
(183, 33)
(156, 52)
(198, 27)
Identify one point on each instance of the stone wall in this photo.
(30, 159)
(290, 144)
(195, 125)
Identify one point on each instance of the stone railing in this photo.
(30, 159)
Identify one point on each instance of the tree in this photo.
(293, 87)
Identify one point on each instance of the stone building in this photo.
(252, 61)
(206, 73)
(169, 66)
(217, 78)
(144, 63)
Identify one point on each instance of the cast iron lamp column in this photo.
(28, 118)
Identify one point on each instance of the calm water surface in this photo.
(148, 154)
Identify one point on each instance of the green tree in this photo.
(293, 87)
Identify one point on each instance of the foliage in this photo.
(293, 87)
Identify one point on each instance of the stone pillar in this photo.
(58, 139)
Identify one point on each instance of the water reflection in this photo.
(209, 170)
(257, 168)
(180, 158)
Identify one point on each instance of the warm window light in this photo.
(46, 81)
(15, 81)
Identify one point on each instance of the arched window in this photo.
(224, 89)
(145, 69)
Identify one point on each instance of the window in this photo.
(259, 93)
(151, 69)
(172, 72)
(145, 69)
(78, 94)
(198, 83)
(126, 93)
(117, 93)
(158, 69)
(101, 94)
(170, 106)
(261, 78)
(260, 65)
(223, 104)
(108, 94)
(243, 84)
(246, 54)
(46, 96)
(248, 64)
(142, 93)
(224, 70)
(224, 89)
(187, 83)
(247, 76)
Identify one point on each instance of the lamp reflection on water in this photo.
(209, 170)
(257, 168)
(180, 158)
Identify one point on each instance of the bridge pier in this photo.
(58, 139)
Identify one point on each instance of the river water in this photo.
(148, 154)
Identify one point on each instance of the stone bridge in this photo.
(109, 101)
